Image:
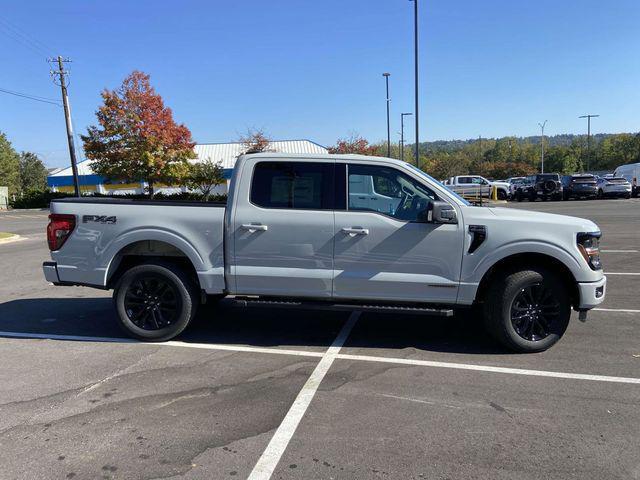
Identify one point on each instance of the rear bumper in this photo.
(50, 270)
(592, 293)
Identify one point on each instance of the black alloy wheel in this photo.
(155, 300)
(152, 302)
(534, 312)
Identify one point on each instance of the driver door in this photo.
(384, 250)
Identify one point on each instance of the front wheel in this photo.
(155, 301)
(527, 310)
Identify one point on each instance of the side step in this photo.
(319, 305)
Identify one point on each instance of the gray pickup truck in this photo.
(333, 231)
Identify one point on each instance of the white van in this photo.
(631, 173)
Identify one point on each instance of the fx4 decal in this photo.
(98, 219)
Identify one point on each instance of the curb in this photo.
(12, 238)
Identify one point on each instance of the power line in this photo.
(23, 38)
(31, 97)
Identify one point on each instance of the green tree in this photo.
(137, 138)
(205, 176)
(9, 166)
(33, 173)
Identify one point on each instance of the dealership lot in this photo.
(267, 393)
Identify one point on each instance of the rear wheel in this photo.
(155, 301)
(502, 195)
(528, 310)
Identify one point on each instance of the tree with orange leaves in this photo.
(354, 144)
(137, 138)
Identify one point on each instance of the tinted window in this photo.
(301, 185)
(390, 192)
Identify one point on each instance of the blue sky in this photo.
(312, 69)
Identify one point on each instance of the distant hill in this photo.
(564, 139)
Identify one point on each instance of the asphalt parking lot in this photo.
(268, 393)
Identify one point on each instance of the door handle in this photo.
(353, 231)
(254, 228)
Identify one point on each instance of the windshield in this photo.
(429, 177)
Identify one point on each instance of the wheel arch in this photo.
(526, 260)
(138, 252)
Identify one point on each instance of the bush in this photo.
(36, 199)
(43, 199)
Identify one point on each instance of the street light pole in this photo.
(542, 145)
(415, 61)
(386, 78)
(402, 115)
(588, 117)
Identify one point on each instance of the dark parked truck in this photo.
(300, 230)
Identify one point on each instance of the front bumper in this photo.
(591, 293)
(50, 270)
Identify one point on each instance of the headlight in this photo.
(589, 246)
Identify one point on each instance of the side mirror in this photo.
(442, 212)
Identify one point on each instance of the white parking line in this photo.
(619, 251)
(621, 273)
(173, 343)
(624, 310)
(489, 368)
(278, 444)
(341, 356)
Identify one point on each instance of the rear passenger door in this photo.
(283, 229)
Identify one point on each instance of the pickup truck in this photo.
(477, 186)
(296, 231)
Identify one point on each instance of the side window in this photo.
(394, 193)
(299, 185)
(462, 180)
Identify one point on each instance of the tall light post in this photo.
(588, 117)
(402, 115)
(542, 145)
(386, 76)
(415, 61)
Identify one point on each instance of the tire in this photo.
(532, 197)
(627, 196)
(600, 194)
(155, 301)
(527, 332)
(519, 196)
(502, 195)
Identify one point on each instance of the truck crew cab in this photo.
(337, 231)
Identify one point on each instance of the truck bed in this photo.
(107, 229)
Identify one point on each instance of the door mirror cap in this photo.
(443, 212)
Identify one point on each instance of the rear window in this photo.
(296, 185)
(584, 179)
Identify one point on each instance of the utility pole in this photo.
(386, 78)
(542, 145)
(588, 117)
(415, 61)
(402, 115)
(59, 78)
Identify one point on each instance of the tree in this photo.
(9, 166)
(137, 138)
(354, 144)
(33, 173)
(255, 141)
(204, 176)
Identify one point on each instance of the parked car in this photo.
(631, 173)
(612, 186)
(477, 186)
(513, 184)
(295, 232)
(546, 186)
(579, 186)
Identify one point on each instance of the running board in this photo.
(365, 307)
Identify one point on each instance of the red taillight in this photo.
(59, 228)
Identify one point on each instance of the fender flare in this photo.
(522, 248)
(114, 248)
